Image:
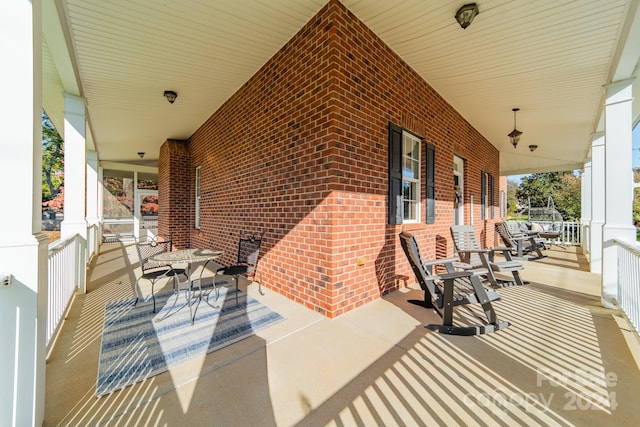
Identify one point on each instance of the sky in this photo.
(635, 154)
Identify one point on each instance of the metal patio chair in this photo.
(247, 262)
(146, 247)
(443, 292)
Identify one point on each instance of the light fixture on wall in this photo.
(514, 136)
(141, 154)
(533, 148)
(466, 14)
(170, 95)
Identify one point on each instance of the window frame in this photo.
(492, 201)
(197, 201)
(395, 201)
(414, 182)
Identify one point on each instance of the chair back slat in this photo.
(411, 250)
(464, 239)
(148, 247)
(249, 250)
(505, 234)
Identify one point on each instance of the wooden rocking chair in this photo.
(521, 243)
(473, 256)
(443, 292)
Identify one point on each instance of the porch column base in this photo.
(73, 228)
(595, 250)
(610, 261)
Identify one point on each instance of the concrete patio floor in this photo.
(564, 360)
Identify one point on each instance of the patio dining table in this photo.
(188, 257)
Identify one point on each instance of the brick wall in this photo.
(175, 205)
(300, 153)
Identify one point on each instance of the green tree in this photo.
(636, 198)
(536, 188)
(512, 198)
(52, 159)
(563, 187)
(568, 198)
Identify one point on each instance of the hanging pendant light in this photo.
(514, 136)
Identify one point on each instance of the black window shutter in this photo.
(491, 199)
(395, 174)
(431, 184)
(483, 194)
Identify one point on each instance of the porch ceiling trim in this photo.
(550, 58)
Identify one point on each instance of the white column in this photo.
(92, 192)
(100, 200)
(618, 183)
(92, 188)
(597, 200)
(586, 206)
(23, 248)
(136, 208)
(75, 162)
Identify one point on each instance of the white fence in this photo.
(570, 232)
(93, 241)
(629, 281)
(114, 229)
(67, 264)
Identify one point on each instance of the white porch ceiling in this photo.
(550, 58)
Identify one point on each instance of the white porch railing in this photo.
(118, 228)
(93, 241)
(629, 281)
(570, 233)
(67, 264)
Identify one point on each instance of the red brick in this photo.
(299, 152)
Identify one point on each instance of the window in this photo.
(410, 177)
(487, 196)
(405, 183)
(197, 204)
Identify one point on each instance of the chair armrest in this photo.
(461, 265)
(439, 261)
(475, 271)
(525, 233)
(483, 253)
(506, 252)
(454, 275)
(474, 251)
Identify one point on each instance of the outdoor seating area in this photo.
(374, 365)
(187, 269)
(522, 243)
(332, 126)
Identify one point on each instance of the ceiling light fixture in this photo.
(514, 136)
(141, 154)
(466, 14)
(170, 95)
(533, 148)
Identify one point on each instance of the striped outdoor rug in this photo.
(138, 344)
